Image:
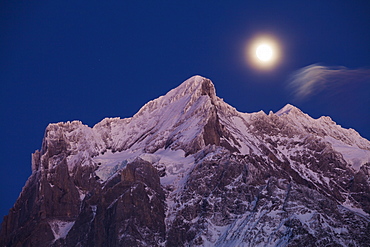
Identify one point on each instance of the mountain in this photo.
(190, 170)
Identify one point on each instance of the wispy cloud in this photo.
(314, 78)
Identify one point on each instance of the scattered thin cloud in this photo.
(313, 79)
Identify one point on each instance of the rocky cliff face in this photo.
(190, 170)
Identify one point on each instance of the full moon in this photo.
(263, 52)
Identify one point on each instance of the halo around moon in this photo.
(263, 52)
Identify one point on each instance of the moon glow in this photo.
(263, 52)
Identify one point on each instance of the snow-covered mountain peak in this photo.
(189, 91)
(195, 85)
(288, 108)
(190, 170)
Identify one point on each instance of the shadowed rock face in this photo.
(127, 211)
(189, 170)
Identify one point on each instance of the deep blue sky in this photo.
(87, 60)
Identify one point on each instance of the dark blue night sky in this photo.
(87, 60)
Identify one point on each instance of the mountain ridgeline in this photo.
(190, 170)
